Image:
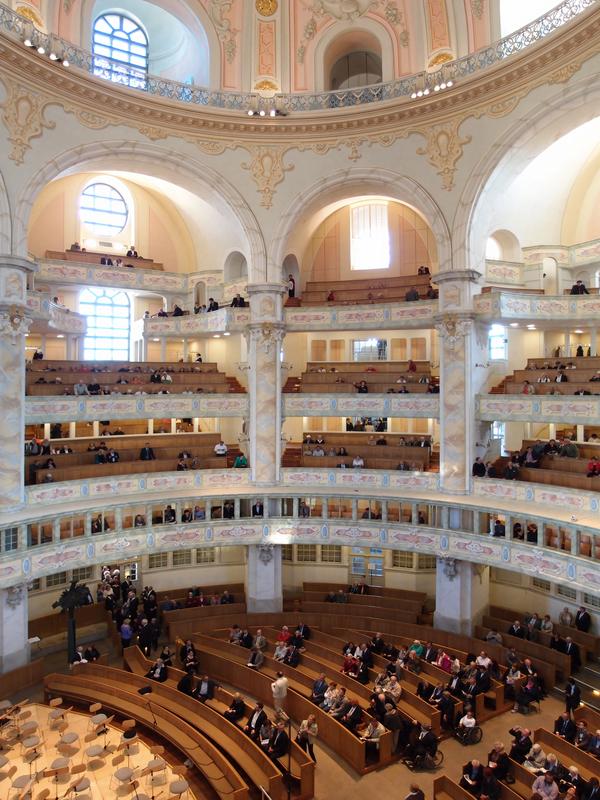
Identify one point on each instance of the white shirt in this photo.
(280, 687)
(468, 722)
(220, 449)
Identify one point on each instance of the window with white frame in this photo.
(182, 558)
(108, 314)
(287, 552)
(402, 559)
(369, 236)
(331, 553)
(205, 555)
(58, 579)
(499, 432)
(306, 552)
(497, 343)
(158, 560)
(103, 209)
(120, 50)
(82, 574)
(9, 539)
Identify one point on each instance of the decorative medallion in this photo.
(266, 8)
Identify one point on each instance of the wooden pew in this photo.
(523, 779)
(383, 591)
(534, 650)
(258, 684)
(586, 641)
(303, 767)
(91, 257)
(590, 716)
(342, 612)
(444, 788)
(546, 669)
(567, 753)
(371, 600)
(93, 684)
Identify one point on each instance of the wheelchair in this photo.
(467, 736)
(425, 761)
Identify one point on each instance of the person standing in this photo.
(307, 735)
(279, 687)
(572, 696)
(291, 286)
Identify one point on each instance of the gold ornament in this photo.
(266, 8)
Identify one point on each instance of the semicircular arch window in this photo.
(103, 209)
(120, 50)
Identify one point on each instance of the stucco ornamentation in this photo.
(478, 7)
(14, 323)
(268, 170)
(565, 73)
(348, 10)
(228, 35)
(443, 148)
(23, 115)
(452, 329)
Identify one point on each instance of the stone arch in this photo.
(508, 245)
(350, 183)
(188, 173)
(235, 267)
(5, 219)
(535, 130)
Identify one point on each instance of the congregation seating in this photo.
(81, 463)
(364, 290)
(579, 371)
(59, 377)
(118, 691)
(227, 662)
(588, 642)
(247, 754)
(389, 456)
(380, 376)
(91, 257)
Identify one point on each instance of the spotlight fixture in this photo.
(41, 50)
(426, 90)
(55, 53)
(264, 112)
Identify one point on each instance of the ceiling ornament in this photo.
(439, 59)
(227, 35)
(267, 169)
(30, 14)
(266, 86)
(347, 10)
(23, 115)
(266, 8)
(443, 148)
(478, 7)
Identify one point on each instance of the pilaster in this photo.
(461, 595)
(264, 593)
(265, 335)
(14, 325)
(463, 370)
(14, 614)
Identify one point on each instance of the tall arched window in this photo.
(120, 49)
(108, 324)
(103, 209)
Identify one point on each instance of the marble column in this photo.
(461, 595)
(463, 372)
(264, 593)
(265, 335)
(14, 614)
(13, 328)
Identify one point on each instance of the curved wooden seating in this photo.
(587, 641)
(334, 611)
(444, 788)
(303, 766)
(382, 591)
(567, 753)
(228, 663)
(364, 290)
(537, 651)
(378, 601)
(107, 686)
(90, 257)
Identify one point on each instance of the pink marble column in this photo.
(463, 371)
(265, 335)
(13, 328)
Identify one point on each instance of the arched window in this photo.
(120, 49)
(369, 236)
(103, 209)
(108, 324)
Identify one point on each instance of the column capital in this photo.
(13, 281)
(267, 288)
(468, 275)
(453, 327)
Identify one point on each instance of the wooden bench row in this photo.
(383, 591)
(244, 751)
(123, 468)
(91, 257)
(588, 642)
(379, 601)
(228, 663)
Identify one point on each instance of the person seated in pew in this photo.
(516, 629)
(412, 295)
(292, 656)
(371, 733)
(498, 761)
(186, 684)
(490, 788)
(237, 708)
(187, 652)
(422, 742)
(565, 727)
(260, 641)
(592, 791)
(535, 760)
(582, 736)
(158, 671)
(205, 690)
(279, 743)
(593, 467)
(571, 779)
(594, 745)
(472, 777)
(579, 287)
(521, 744)
(352, 716)
(245, 639)
(91, 653)
(546, 786)
(256, 658)
(166, 655)
(319, 688)
(255, 722)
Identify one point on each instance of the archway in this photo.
(345, 184)
(503, 245)
(147, 158)
(336, 42)
(235, 267)
(291, 267)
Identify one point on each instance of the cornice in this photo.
(493, 92)
(527, 69)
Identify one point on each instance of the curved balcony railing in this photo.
(572, 565)
(545, 408)
(20, 28)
